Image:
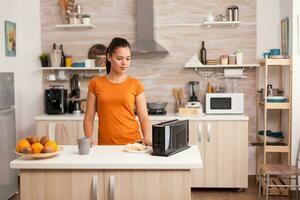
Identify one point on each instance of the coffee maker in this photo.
(193, 90)
(56, 100)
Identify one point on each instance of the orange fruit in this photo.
(33, 139)
(22, 144)
(37, 148)
(52, 144)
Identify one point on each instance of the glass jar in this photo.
(68, 61)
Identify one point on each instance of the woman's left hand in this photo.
(147, 142)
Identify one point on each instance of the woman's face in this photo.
(120, 59)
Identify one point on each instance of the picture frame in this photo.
(285, 36)
(10, 38)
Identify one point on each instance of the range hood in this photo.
(145, 39)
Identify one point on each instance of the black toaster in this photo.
(170, 137)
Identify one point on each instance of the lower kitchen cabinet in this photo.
(105, 184)
(61, 184)
(196, 137)
(64, 132)
(81, 130)
(224, 149)
(147, 184)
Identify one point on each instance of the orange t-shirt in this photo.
(115, 108)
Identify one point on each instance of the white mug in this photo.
(51, 77)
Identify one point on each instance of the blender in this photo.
(193, 90)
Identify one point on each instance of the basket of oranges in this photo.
(35, 147)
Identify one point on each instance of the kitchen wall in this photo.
(28, 77)
(295, 5)
(176, 30)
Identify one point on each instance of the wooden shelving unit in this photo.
(266, 152)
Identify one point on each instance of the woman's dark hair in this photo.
(114, 44)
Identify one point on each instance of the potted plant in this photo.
(44, 57)
(86, 19)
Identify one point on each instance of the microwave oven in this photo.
(224, 103)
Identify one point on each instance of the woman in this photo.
(114, 97)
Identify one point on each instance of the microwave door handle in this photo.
(208, 132)
(199, 132)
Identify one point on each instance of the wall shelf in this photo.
(222, 23)
(223, 66)
(75, 26)
(74, 68)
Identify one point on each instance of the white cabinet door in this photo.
(147, 184)
(233, 154)
(211, 153)
(62, 184)
(223, 146)
(65, 132)
(196, 137)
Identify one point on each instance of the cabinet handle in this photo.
(208, 132)
(112, 188)
(199, 132)
(95, 188)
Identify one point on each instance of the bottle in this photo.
(203, 54)
(54, 46)
(229, 14)
(63, 62)
(210, 88)
(235, 13)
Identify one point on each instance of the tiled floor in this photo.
(250, 193)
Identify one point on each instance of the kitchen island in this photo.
(108, 173)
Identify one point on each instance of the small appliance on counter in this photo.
(157, 108)
(56, 100)
(170, 137)
(75, 106)
(193, 90)
(74, 86)
(224, 103)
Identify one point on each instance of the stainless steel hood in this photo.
(145, 38)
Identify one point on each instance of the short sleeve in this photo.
(92, 85)
(140, 88)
